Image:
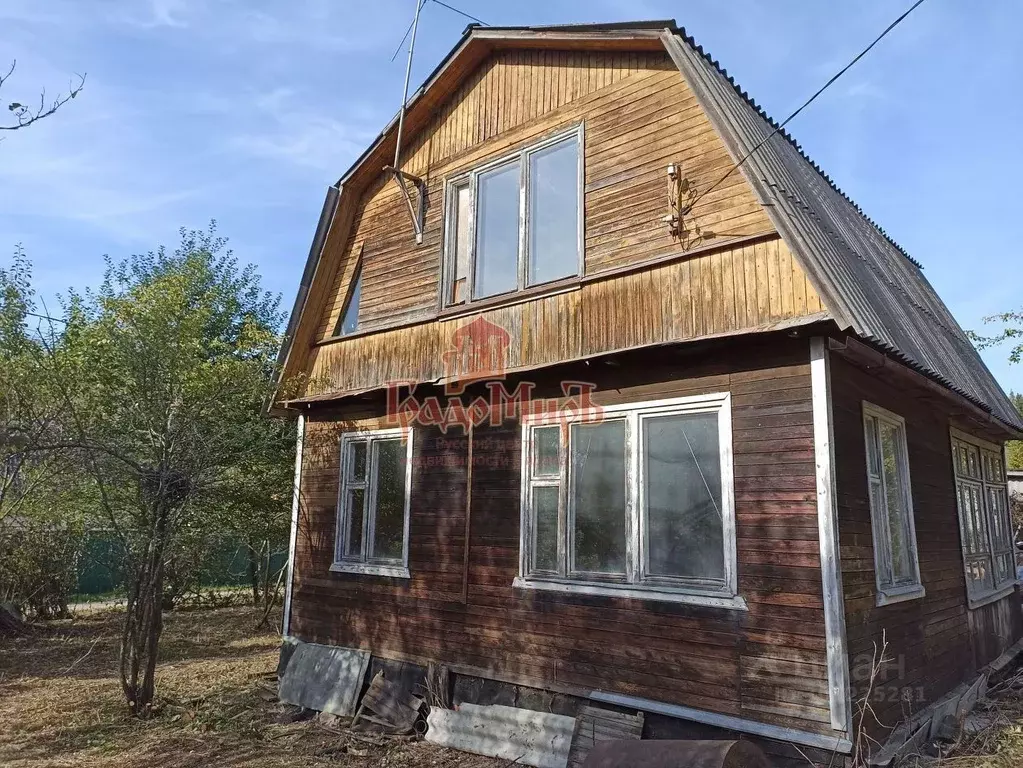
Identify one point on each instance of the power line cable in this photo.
(805, 104)
(461, 13)
(405, 36)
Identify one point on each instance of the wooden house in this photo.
(606, 390)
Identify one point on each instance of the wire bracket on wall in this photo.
(682, 195)
(412, 187)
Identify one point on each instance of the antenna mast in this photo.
(416, 210)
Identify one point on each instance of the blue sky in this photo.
(244, 111)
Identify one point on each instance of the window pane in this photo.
(1000, 536)
(350, 316)
(545, 528)
(682, 464)
(356, 506)
(546, 445)
(1003, 569)
(978, 574)
(497, 232)
(357, 463)
(873, 457)
(598, 485)
(898, 521)
(554, 212)
(460, 243)
(389, 534)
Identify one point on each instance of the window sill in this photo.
(633, 592)
(992, 597)
(369, 569)
(900, 594)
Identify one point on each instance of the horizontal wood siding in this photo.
(639, 116)
(749, 287)
(929, 639)
(766, 664)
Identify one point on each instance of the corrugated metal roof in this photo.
(869, 283)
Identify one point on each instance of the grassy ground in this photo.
(61, 705)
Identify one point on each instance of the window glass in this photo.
(891, 508)
(389, 531)
(349, 322)
(896, 492)
(554, 212)
(598, 473)
(460, 242)
(373, 504)
(497, 232)
(357, 465)
(356, 515)
(988, 550)
(545, 534)
(682, 493)
(546, 451)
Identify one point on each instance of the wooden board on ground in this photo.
(593, 725)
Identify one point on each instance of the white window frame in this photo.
(978, 597)
(636, 583)
(888, 590)
(471, 178)
(364, 564)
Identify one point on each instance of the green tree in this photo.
(1015, 447)
(163, 373)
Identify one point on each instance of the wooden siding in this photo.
(639, 116)
(766, 664)
(750, 287)
(930, 639)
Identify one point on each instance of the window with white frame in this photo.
(373, 503)
(638, 504)
(516, 222)
(984, 525)
(896, 563)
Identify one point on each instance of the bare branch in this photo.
(25, 115)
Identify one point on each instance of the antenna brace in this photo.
(417, 209)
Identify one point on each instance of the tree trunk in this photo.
(253, 572)
(143, 626)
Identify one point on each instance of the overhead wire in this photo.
(804, 105)
(461, 13)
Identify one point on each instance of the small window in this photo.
(985, 529)
(515, 223)
(639, 504)
(896, 564)
(348, 322)
(373, 504)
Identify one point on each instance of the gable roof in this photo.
(868, 282)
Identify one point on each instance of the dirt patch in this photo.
(61, 704)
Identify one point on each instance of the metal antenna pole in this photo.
(408, 75)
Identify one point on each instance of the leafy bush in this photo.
(38, 565)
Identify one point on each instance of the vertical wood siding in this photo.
(929, 638)
(749, 287)
(639, 116)
(766, 664)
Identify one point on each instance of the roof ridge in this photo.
(691, 41)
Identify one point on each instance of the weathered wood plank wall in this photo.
(929, 638)
(749, 287)
(639, 116)
(766, 664)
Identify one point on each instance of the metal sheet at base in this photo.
(532, 738)
(325, 678)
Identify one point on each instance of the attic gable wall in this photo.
(639, 116)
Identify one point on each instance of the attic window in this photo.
(516, 222)
(348, 322)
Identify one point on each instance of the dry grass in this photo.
(61, 705)
(998, 743)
